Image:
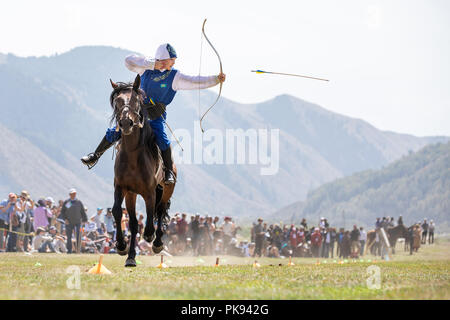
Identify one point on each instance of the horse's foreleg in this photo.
(149, 231)
(121, 246)
(130, 200)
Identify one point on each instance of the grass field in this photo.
(425, 275)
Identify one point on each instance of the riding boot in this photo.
(91, 159)
(169, 177)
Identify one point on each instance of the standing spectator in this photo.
(431, 232)
(277, 235)
(109, 223)
(400, 220)
(124, 221)
(293, 239)
(345, 245)
(378, 223)
(340, 236)
(141, 224)
(74, 214)
(354, 237)
(362, 239)
(227, 228)
(28, 225)
(322, 223)
(6, 207)
(304, 224)
(424, 231)
(316, 241)
(259, 238)
(23, 207)
(97, 219)
(195, 229)
(327, 243)
(332, 241)
(13, 222)
(41, 215)
(182, 229)
(416, 237)
(49, 204)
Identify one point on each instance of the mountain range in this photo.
(56, 109)
(417, 186)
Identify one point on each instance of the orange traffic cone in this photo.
(99, 268)
(162, 264)
(290, 262)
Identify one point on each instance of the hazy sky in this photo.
(388, 61)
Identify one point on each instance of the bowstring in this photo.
(199, 72)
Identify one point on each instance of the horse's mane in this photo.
(146, 131)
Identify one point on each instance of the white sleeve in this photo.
(184, 82)
(139, 64)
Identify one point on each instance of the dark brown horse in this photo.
(137, 170)
(393, 234)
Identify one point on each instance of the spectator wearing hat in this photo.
(97, 219)
(109, 223)
(73, 213)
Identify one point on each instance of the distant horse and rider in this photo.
(393, 235)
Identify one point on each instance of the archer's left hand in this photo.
(221, 77)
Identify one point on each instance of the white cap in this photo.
(73, 190)
(165, 51)
(50, 199)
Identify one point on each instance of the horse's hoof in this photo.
(149, 239)
(123, 252)
(130, 263)
(157, 250)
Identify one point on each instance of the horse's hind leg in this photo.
(121, 246)
(130, 201)
(158, 244)
(149, 231)
(161, 211)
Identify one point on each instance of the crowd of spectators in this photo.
(64, 227)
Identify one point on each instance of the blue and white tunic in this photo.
(161, 86)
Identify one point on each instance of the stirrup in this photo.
(173, 176)
(91, 163)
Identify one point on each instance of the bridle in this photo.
(127, 107)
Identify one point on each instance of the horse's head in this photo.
(126, 100)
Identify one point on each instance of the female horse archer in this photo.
(160, 82)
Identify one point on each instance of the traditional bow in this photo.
(220, 62)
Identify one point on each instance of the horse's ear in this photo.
(114, 85)
(137, 83)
